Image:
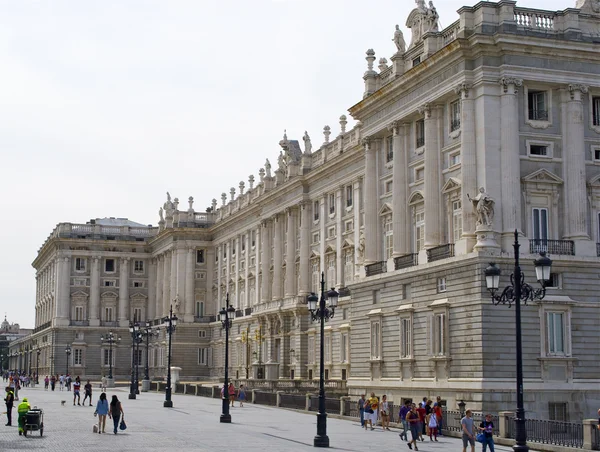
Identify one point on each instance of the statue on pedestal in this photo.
(160, 214)
(483, 204)
(399, 40)
(307, 143)
(268, 168)
(176, 305)
(361, 247)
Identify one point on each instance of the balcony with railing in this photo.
(376, 269)
(42, 327)
(440, 252)
(564, 247)
(406, 261)
(538, 115)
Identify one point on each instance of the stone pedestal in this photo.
(258, 371)
(145, 385)
(272, 370)
(487, 242)
(110, 382)
(175, 374)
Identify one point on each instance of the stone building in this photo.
(488, 126)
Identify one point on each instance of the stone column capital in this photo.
(366, 142)
(576, 90)
(463, 90)
(510, 85)
(394, 127)
(425, 110)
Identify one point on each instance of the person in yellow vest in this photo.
(22, 409)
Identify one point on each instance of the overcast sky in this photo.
(106, 105)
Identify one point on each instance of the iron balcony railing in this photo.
(248, 311)
(564, 247)
(420, 142)
(344, 292)
(538, 115)
(43, 326)
(566, 434)
(408, 260)
(376, 269)
(454, 125)
(440, 252)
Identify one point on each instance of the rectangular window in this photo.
(389, 149)
(199, 256)
(243, 243)
(389, 186)
(405, 338)
(138, 266)
(557, 411)
(199, 309)
(420, 133)
(416, 61)
(331, 203)
(109, 265)
(419, 174)
(79, 313)
(538, 150)
(138, 284)
(388, 234)
(233, 247)
(202, 356)
(454, 159)
(439, 334)
(331, 274)
(316, 211)
(106, 357)
(109, 283)
(555, 281)
(455, 116)
(80, 264)
(348, 226)
(349, 267)
(596, 153)
(419, 231)
(311, 349)
(137, 315)
(375, 339)
(556, 342)
(108, 314)
(538, 108)
(316, 276)
(77, 357)
(540, 224)
(344, 347)
(315, 238)
(253, 239)
(327, 351)
(441, 285)
(202, 334)
(596, 110)
(376, 296)
(349, 194)
(331, 232)
(457, 221)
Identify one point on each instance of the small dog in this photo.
(62, 402)
(95, 428)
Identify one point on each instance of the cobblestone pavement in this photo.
(193, 425)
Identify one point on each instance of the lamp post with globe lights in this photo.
(170, 323)
(111, 339)
(226, 315)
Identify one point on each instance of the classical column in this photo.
(356, 205)
(510, 163)
(63, 289)
(236, 247)
(124, 292)
(266, 261)
(166, 282)
(210, 306)
(246, 302)
(227, 246)
(468, 160)
(189, 285)
(290, 254)
(173, 281)
(219, 275)
(574, 161)
(371, 202)
(277, 257)
(305, 220)
(433, 230)
(151, 306)
(181, 281)
(257, 248)
(93, 315)
(323, 213)
(400, 187)
(160, 265)
(339, 235)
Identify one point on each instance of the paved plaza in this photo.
(193, 425)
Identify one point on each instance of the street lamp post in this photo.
(147, 332)
(323, 312)
(226, 315)
(519, 291)
(134, 329)
(68, 352)
(258, 337)
(170, 324)
(110, 339)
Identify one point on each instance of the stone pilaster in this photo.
(277, 257)
(219, 251)
(469, 162)
(371, 201)
(227, 265)
(94, 292)
(124, 292)
(236, 302)
(290, 255)
(160, 266)
(433, 229)
(151, 306)
(173, 280)
(246, 302)
(400, 186)
(574, 161)
(257, 247)
(339, 235)
(63, 289)
(266, 261)
(166, 282)
(189, 285)
(356, 205)
(322, 232)
(181, 283)
(305, 212)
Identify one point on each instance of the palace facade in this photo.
(467, 134)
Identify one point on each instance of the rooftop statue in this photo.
(399, 40)
(160, 214)
(268, 168)
(421, 20)
(307, 143)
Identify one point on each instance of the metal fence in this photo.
(204, 391)
(265, 398)
(567, 434)
(596, 438)
(332, 406)
(295, 401)
(451, 421)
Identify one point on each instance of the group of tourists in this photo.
(233, 393)
(424, 419)
(114, 411)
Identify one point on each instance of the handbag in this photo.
(480, 437)
(122, 425)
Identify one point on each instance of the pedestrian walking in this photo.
(115, 412)
(9, 400)
(432, 424)
(61, 382)
(487, 427)
(242, 395)
(361, 409)
(468, 431)
(385, 413)
(68, 381)
(439, 414)
(103, 383)
(102, 411)
(422, 413)
(402, 415)
(231, 393)
(22, 410)
(412, 417)
(88, 392)
(53, 382)
(46, 382)
(76, 389)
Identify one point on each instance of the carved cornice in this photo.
(505, 82)
(574, 87)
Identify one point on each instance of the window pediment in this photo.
(543, 176)
(110, 294)
(79, 294)
(385, 209)
(138, 296)
(416, 198)
(451, 184)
